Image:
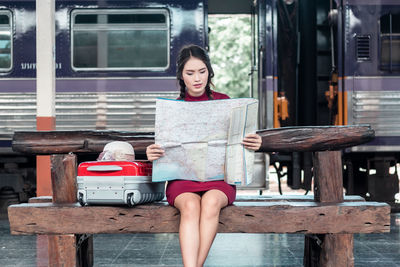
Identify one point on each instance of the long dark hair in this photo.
(184, 55)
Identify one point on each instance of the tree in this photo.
(230, 53)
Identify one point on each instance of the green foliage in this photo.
(230, 53)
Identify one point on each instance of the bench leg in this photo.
(329, 250)
(62, 250)
(70, 250)
(67, 250)
(337, 250)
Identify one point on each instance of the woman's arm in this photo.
(154, 152)
(252, 141)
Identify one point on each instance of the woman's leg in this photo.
(189, 206)
(211, 204)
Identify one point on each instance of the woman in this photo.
(199, 203)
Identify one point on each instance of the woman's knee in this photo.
(188, 205)
(212, 204)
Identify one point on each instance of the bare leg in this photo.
(211, 204)
(189, 237)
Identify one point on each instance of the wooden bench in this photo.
(328, 219)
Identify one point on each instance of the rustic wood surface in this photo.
(63, 142)
(63, 178)
(328, 177)
(62, 250)
(337, 250)
(314, 138)
(285, 139)
(291, 198)
(282, 198)
(243, 217)
(41, 199)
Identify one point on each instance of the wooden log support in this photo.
(332, 249)
(285, 139)
(242, 217)
(62, 250)
(337, 250)
(314, 138)
(63, 178)
(67, 249)
(328, 177)
(63, 142)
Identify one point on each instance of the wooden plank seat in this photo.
(328, 219)
(242, 217)
(289, 198)
(281, 198)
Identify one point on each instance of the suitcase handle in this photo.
(104, 168)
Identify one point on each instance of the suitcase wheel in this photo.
(129, 200)
(80, 199)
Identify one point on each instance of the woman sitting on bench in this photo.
(199, 203)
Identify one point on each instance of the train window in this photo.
(5, 41)
(120, 39)
(85, 19)
(137, 18)
(390, 42)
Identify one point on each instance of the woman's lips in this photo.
(197, 85)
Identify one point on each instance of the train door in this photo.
(265, 68)
(257, 45)
(242, 44)
(265, 58)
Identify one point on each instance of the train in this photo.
(368, 48)
(331, 62)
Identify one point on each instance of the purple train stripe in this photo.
(384, 141)
(373, 83)
(93, 85)
(371, 2)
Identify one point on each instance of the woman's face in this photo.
(195, 76)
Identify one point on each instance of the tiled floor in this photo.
(372, 250)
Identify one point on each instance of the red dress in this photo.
(177, 187)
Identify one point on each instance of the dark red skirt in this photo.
(177, 187)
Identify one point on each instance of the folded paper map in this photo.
(202, 140)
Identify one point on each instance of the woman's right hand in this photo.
(154, 152)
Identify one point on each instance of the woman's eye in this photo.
(203, 71)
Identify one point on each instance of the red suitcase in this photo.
(117, 182)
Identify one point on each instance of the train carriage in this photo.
(369, 92)
(115, 57)
(370, 70)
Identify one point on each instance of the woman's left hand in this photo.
(252, 141)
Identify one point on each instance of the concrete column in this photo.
(45, 101)
(45, 84)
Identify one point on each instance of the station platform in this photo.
(284, 250)
(228, 250)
